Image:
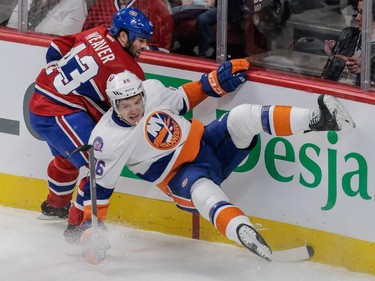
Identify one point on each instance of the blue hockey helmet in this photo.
(134, 22)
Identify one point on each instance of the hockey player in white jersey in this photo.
(145, 130)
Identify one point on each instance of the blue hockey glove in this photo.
(226, 78)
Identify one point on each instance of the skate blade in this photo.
(294, 254)
(248, 237)
(343, 117)
(50, 218)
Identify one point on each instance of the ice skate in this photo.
(52, 213)
(331, 115)
(252, 240)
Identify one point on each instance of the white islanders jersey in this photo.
(152, 148)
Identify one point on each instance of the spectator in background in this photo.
(183, 10)
(6, 9)
(270, 17)
(241, 31)
(190, 5)
(59, 17)
(344, 62)
(207, 19)
(174, 3)
(101, 12)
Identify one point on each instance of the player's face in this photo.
(131, 109)
(138, 46)
(359, 15)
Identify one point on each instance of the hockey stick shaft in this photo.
(94, 209)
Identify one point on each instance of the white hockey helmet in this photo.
(122, 86)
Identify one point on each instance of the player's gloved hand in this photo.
(72, 233)
(94, 244)
(226, 78)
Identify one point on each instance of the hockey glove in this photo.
(226, 78)
(72, 233)
(94, 245)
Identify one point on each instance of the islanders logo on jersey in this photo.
(162, 131)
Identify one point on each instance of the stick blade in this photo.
(94, 245)
(294, 254)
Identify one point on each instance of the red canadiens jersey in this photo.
(75, 78)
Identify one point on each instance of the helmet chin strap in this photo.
(123, 119)
(131, 3)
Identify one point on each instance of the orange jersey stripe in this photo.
(281, 120)
(188, 152)
(225, 216)
(180, 200)
(183, 202)
(195, 93)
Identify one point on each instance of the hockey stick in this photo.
(94, 209)
(93, 252)
(293, 254)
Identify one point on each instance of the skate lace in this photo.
(315, 118)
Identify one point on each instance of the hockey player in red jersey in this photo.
(70, 97)
(145, 130)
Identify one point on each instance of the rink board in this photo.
(314, 188)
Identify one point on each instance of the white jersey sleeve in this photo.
(161, 97)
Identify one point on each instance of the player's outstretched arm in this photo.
(225, 79)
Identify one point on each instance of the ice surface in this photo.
(32, 249)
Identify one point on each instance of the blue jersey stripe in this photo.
(265, 119)
(156, 169)
(214, 209)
